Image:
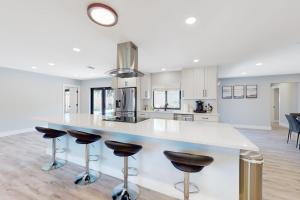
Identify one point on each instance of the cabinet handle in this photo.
(146, 94)
(126, 83)
(204, 117)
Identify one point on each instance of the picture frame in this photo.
(251, 91)
(226, 92)
(238, 92)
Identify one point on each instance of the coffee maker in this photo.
(200, 107)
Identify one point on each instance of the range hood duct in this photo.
(127, 61)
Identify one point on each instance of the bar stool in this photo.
(122, 191)
(188, 163)
(52, 134)
(88, 176)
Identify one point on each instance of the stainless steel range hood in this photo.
(127, 61)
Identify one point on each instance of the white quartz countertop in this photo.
(206, 133)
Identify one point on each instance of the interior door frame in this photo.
(65, 86)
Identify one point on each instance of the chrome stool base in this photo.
(53, 165)
(120, 193)
(193, 188)
(86, 178)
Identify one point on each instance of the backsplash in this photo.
(186, 105)
(190, 105)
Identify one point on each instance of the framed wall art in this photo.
(238, 92)
(251, 91)
(227, 92)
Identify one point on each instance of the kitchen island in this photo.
(219, 181)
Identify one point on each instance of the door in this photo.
(276, 105)
(71, 98)
(102, 101)
(97, 101)
(210, 91)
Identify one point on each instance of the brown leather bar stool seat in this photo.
(124, 191)
(188, 163)
(52, 134)
(88, 176)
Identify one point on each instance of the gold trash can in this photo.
(251, 169)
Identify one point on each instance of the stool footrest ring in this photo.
(94, 158)
(132, 171)
(193, 187)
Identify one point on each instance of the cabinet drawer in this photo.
(143, 115)
(212, 118)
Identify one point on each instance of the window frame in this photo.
(166, 99)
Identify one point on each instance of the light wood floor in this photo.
(22, 155)
(281, 174)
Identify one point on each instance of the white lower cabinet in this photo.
(167, 115)
(207, 118)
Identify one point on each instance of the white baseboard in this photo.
(283, 125)
(15, 132)
(268, 128)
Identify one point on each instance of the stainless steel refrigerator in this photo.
(126, 105)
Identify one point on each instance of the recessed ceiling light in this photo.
(244, 73)
(51, 64)
(33, 67)
(76, 49)
(258, 64)
(102, 14)
(91, 67)
(190, 20)
(163, 69)
(76, 75)
(196, 60)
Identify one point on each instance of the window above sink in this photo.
(167, 99)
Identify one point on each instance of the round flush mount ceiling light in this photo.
(190, 20)
(102, 14)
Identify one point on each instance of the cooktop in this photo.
(125, 119)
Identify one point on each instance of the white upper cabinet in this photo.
(127, 82)
(146, 86)
(199, 83)
(187, 84)
(211, 82)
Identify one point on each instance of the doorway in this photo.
(71, 94)
(102, 101)
(276, 105)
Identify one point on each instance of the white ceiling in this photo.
(229, 33)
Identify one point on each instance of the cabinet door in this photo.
(146, 87)
(187, 84)
(199, 86)
(211, 82)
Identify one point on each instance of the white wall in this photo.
(85, 89)
(299, 98)
(288, 101)
(25, 95)
(166, 80)
(253, 113)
